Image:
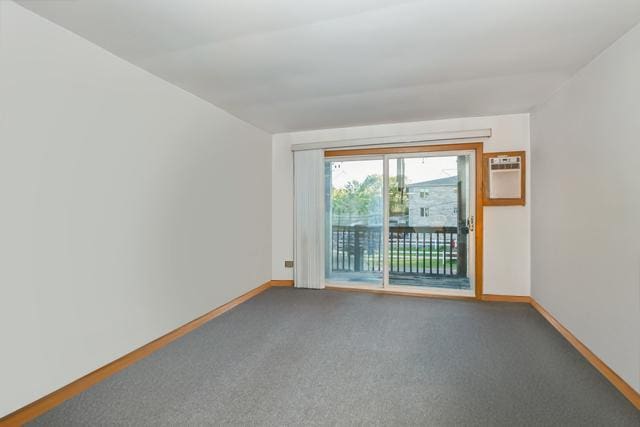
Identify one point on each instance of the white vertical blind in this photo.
(309, 219)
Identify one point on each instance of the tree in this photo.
(398, 198)
(357, 198)
(363, 198)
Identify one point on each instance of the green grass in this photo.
(408, 260)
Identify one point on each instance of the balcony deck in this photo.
(419, 281)
(425, 257)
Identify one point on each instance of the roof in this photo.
(448, 181)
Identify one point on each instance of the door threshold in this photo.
(428, 293)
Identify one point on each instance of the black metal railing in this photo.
(418, 251)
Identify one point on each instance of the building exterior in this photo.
(434, 203)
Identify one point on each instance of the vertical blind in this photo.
(309, 219)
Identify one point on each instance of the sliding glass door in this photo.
(401, 221)
(354, 221)
(428, 215)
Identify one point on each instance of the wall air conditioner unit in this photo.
(505, 179)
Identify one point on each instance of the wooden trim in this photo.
(403, 150)
(485, 297)
(479, 221)
(44, 404)
(281, 283)
(479, 217)
(383, 291)
(523, 180)
(506, 298)
(622, 386)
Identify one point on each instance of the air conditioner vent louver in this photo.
(505, 166)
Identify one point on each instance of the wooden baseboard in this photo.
(506, 298)
(282, 283)
(42, 405)
(609, 374)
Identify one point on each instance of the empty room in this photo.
(320, 212)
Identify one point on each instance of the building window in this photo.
(424, 212)
(455, 209)
(424, 194)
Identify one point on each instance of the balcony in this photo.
(418, 256)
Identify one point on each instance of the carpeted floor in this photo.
(304, 357)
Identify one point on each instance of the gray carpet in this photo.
(304, 357)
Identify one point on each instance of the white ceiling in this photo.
(288, 65)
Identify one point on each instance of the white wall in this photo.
(506, 242)
(586, 206)
(123, 213)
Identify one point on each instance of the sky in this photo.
(417, 169)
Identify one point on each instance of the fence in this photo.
(422, 251)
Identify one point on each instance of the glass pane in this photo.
(428, 237)
(353, 221)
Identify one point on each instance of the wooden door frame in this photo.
(477, 147)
